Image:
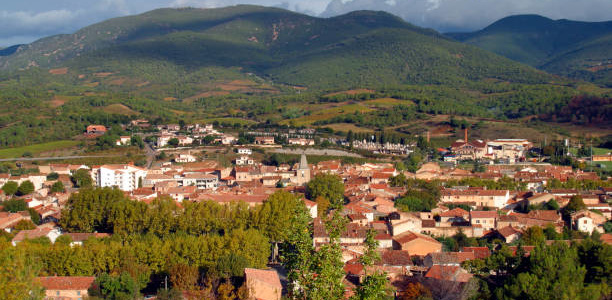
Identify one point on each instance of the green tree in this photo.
(552, 272)
(121, 287)
(81, 178)
(137, 141)
(15, 205)
(329, 186)
(533, 236)
(10, 188)
(375, 286)
(57, 187)
(297, 254)
(328, 263)
(52, 176)
(173, 142)
(575, 204)
(17, 275)
(25, 188)
(322, 206)
(274, 216)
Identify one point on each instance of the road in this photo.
(56, 157)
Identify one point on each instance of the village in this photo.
(495, 206)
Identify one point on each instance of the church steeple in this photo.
(303, 162)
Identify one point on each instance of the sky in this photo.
(25, 21)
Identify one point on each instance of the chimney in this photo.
(465, 133)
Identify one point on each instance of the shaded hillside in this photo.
(360, 48)
(581, 50)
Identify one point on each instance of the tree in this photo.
(329, 186)
(533, 236)
(121, 287)
(328, 263)
(207, 140)
(10, 188)
(52, 176)
(575, 204)
(184, 277)
(550, 272)
(322, 206)
(297, 254)
(137, 141)
(81, 178)
(14, 205)
(25, 188)
(24, 225)
(274, 216)
(375, 286)
(17, 275)
(173, 142)
(57, 187)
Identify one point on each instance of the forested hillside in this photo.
(258, 65)
(580, 50)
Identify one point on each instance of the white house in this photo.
(185, 158)
(244, 160)
(125, 177)
(245, 151)
(123, 141)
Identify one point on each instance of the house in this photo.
(476, 197)
(454, 216)
(185, 158)
(244, 160)
(125, 177)
(245, 151)
(301, 142)
(79, 237)
(123, 141)
(507, 234)
(201, 180)
(447, 258)
(263, 284)
(486, 219)
(40, 231)
(66, 287)
(96, 129)
(264, 140)
(587, 221)
(448, 273)
(9, 220)
(416, 244)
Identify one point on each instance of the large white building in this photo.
(124, 177)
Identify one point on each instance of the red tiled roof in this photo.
(456, 212)
(480, 214)
(395, 258)
(450, 273)
(64, 283)
(479, 252)
(269, 277)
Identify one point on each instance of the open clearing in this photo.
(36, 149)
(119, 109)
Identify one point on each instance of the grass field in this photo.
(327, 114)
(36, 149)
(346, 127)
(226, 120)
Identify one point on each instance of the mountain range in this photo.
(359, 48)
(581, 50)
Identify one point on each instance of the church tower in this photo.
(303, 171)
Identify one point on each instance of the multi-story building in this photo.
(125, 177)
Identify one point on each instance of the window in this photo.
(585, 221)
(477, 221)
(78, 293)
(57, 293)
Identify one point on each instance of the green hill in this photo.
(360, 48)
(576, 49)
(261, 66)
